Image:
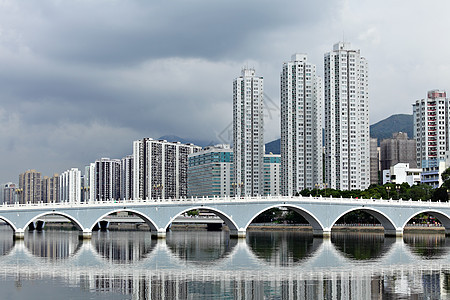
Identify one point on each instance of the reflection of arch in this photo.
(359, 246)
(123, 247)
(266, 245)
(442, 217)
(199, 248)
(58, 213)
(8, 222)
(380, 216)
(315, 223)
(143, 216)
(228, 221)
(44, 244)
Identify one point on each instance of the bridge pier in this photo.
(86, 234)
(447, 232)
(19, 234)
(398, 232)
(240, 234)
(160, 234)
(323, 233)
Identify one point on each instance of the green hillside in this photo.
(395, 123)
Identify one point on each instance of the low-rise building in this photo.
(401, 173)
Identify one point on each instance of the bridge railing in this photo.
(211, 200)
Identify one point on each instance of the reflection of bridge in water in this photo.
(236, 213)
(161, 270)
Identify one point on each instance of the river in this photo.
(209, 265)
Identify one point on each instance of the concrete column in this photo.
(86, 234)
(323, 233)
(394, 232)
(19, 234)
(160, 234)
(447, 232)
(241, 233)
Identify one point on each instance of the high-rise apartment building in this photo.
(347, 157)
(50, 189)
(105, 180)
(374, 161)
(301, 126)
(29, 187)
(431, 128)
(272, 174)
(9, 193)
(126, 178)
(70, 186)
(160, 169)
(210, 172)
(248, 133)
(398, 149)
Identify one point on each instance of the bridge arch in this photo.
(11, 224)
(385, 220)
(228, 221)
(442, 217)
(77, 224)
(143, 216)
(311, 218)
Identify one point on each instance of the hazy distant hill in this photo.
(395, 123)
(381, 130)
(174, 138)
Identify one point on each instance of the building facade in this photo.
(210, 172)
(374, 161)
(160, 168)
(70, 186)
(347, 143)
(272, 174)
(9, 193)
(301, 126)
(29, 187)
(50, 189)
(126, 178)
(105, 180)
(398, 149)
(431, 128)
(248, 133)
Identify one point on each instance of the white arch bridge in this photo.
(237, 213)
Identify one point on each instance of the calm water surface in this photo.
(205, 265)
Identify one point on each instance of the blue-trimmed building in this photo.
(210, 172)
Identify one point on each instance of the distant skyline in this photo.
(82, 80)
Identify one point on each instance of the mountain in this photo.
(380, 130)
(395, 123)
(274, 147)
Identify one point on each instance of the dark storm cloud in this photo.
(121, 32)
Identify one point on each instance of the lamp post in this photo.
(19, 193)
(158, 188)
(317, 188)
(236, 186)
(325, 185)
(397, 187)
(388, 189)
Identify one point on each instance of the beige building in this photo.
(398, 149)
(374, 161)
(50, 186)
(29, 187)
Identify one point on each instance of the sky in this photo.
(81, 80)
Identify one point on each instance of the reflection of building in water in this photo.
(51, 248)
(122, 251)
(247, 284)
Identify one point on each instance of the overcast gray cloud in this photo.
(80, 80)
